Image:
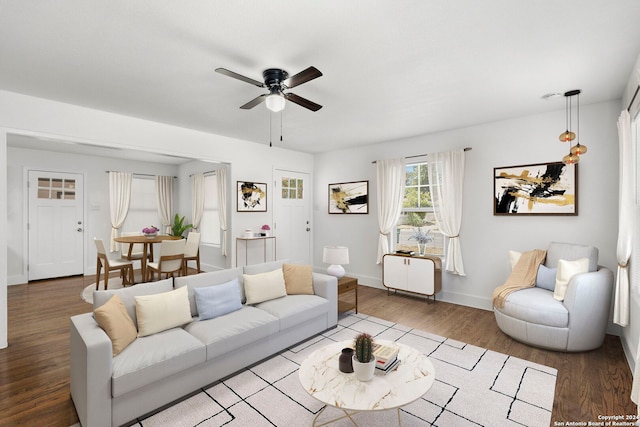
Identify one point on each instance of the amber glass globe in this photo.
(578, 150)
(570, 159)
(567, 136)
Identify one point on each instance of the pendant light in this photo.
(567, 136)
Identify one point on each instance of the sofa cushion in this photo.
(295, 309)
(112, 316)
(208, 279)
(536, 305)
(127, 295)
(546, 277)
(217, 300)
(298, 279)
(571, 252)
(264, 286)
(566, 270)
(226, 333)
(159, 312)
(264, 267)
(153, 358)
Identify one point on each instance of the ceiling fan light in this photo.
(579, 150)
(275, 102)
(567, 136)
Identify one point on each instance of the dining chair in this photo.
(135, 251)
(170, 261)
(125, 266)
(191, 252)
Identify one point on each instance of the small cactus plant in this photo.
(364, 348)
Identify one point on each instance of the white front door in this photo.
(292, 226)
(56, 229)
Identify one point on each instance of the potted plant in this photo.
(265, 230)
(364, 362)
(177, 229)
(150, 231)
(422, 237)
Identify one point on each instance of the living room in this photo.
(485, 239)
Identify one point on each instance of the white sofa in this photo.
(157, 369)
(578, 323)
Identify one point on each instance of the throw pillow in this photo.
(159, 312)
(513, 258)
(546, 278)
(264, 286)
(566, 270)
(217, 300)
(112, 316)
(298, 279)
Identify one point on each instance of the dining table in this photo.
(147, 244)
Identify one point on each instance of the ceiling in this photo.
(391, 69)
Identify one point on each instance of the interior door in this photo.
(292, 226)
(55, 228)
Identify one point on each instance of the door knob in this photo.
(308, 229)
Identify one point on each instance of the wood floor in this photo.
(34, 369)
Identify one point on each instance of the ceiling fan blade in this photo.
(239, 77)
(302, 77)
(303, 102)
(255, 101)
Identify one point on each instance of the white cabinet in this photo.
(417, 274)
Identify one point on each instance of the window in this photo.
(143, 207)
(292, 188)
(418, 214)
(210, 222)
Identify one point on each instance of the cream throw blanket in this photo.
(523, 276)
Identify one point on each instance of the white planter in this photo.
(364, 371)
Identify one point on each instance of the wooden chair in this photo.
(135, 251)
(170, 262)
(125, 266)
(191, 252)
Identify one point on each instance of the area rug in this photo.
(87, 293)
(473, 387)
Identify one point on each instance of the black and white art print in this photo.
(252, 196)
(538, 189)
(349, 198)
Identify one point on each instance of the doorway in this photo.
(292, 226)
(55, 227)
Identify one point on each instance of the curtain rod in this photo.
(142, 174)
(206, 173)
(422, 155)
(633, 98)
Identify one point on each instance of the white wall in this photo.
(485, 238)
(249, 161)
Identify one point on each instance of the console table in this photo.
(246, 241)
(416, 274)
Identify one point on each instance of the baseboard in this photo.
(628, 354)
(17, 279)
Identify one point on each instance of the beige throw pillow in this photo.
(298, 279)
(112, 316)
(159, 312)
(566, 270)
(264, 286)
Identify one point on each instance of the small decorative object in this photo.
(248, 234)
(349, 198)
(538, 189)
(150, 231)
(422, 237)
(177, 229)
(252, 196)
(345, 363)
(364, 362)
(265, 230)
(335, 255)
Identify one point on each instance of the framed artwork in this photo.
(349, 198)
(252, 196)
(538, 189)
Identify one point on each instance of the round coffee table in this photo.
(321, 378)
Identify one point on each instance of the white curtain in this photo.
(197, 199)
(119, 198)
(164, 197)
(391, 176)
(446, 176)
(222, 208)
(625, 220)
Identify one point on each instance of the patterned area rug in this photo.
(473, 387)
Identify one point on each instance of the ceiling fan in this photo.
(277, 81)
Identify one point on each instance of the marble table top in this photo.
(321, 378)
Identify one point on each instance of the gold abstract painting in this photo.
(349, 198)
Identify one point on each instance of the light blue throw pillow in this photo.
(217, 300)
(546, 278)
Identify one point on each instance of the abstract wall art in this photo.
(252, 196)
(349, 198)
(538, 189)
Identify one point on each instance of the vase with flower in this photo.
(150, 231)
(265, 230)
(422, 237)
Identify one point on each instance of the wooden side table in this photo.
(347, 284)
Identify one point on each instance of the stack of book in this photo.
(386, 357)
